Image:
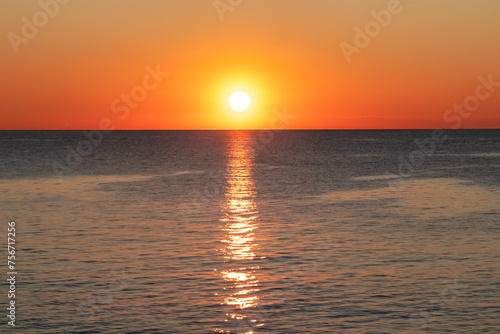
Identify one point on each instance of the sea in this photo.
(262, 231)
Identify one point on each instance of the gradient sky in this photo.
(74, 71)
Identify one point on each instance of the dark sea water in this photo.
(253, 231)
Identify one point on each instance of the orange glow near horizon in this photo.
(73, 74)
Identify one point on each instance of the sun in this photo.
(240, 101)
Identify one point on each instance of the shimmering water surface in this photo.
(253, 232)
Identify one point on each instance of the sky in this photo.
(317, 64)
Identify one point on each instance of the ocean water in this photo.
(253, 231)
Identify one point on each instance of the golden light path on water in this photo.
(240, 218)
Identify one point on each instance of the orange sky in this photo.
(72, 64)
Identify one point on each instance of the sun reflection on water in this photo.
(240, 218)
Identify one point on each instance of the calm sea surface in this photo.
(252, 231)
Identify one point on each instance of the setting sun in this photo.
(239, 101)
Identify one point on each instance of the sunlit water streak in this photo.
(240, 222)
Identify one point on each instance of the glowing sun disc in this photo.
(239, 101)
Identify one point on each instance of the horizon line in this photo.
(256, 129)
